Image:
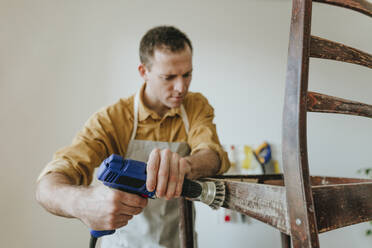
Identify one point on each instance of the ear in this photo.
(142, 71)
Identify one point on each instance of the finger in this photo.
(129, 210)
(128, 205)
(184, 168)
(152, 170)
(131, 200)
(163, 173)
(121, 220)
(173, 176)
(122, 217)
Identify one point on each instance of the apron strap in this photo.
(185, 119)
(135, 119)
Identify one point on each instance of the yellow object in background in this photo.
(248, 155)
(276, 166)
(263, 153)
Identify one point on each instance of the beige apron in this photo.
(157, 225)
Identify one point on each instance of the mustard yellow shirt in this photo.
(108, 131)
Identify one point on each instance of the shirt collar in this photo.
(144, 112)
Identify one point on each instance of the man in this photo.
(159, 125)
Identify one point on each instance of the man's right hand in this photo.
(99, 207)
(105, 208)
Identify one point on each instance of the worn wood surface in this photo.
(324, 180)
(250, 178)
(186, 225)
(317, 102)
(272, 179)
(319, 180)
(342, 205)
(362, 6)
(338, 201)
(266, 203)
(294, 145)
(277, 179)
(326, 49)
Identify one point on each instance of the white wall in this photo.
(62, 60)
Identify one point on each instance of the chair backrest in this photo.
(298, 101)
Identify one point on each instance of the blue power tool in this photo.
(123, 174)
(130, 176)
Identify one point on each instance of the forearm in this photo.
(99, 207)
(204, 163)
(57, 194)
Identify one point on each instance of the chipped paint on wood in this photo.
(362, 6)
(318, 181)
(266, 203)
(326, 49)
(317, 102)
(342, 205)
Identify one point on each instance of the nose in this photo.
(180, 86)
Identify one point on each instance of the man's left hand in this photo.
(166, 171)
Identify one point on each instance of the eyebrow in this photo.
(170, 75)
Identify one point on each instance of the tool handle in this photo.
(263, 153)
(190, 189)
(130, 176)
(98, 234)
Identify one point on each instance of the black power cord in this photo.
(93, 241)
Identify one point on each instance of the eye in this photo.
(169, 78)
(187, 75)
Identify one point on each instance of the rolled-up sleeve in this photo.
(90, 146)
(202, 133)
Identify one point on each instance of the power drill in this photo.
(130, 176)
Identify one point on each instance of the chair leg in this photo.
(186, 225)
(286, 240)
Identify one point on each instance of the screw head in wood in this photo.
(298, 222)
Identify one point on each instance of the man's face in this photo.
(168, 78)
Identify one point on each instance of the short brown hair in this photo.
(162, 37)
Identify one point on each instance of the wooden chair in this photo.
(301, 206)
